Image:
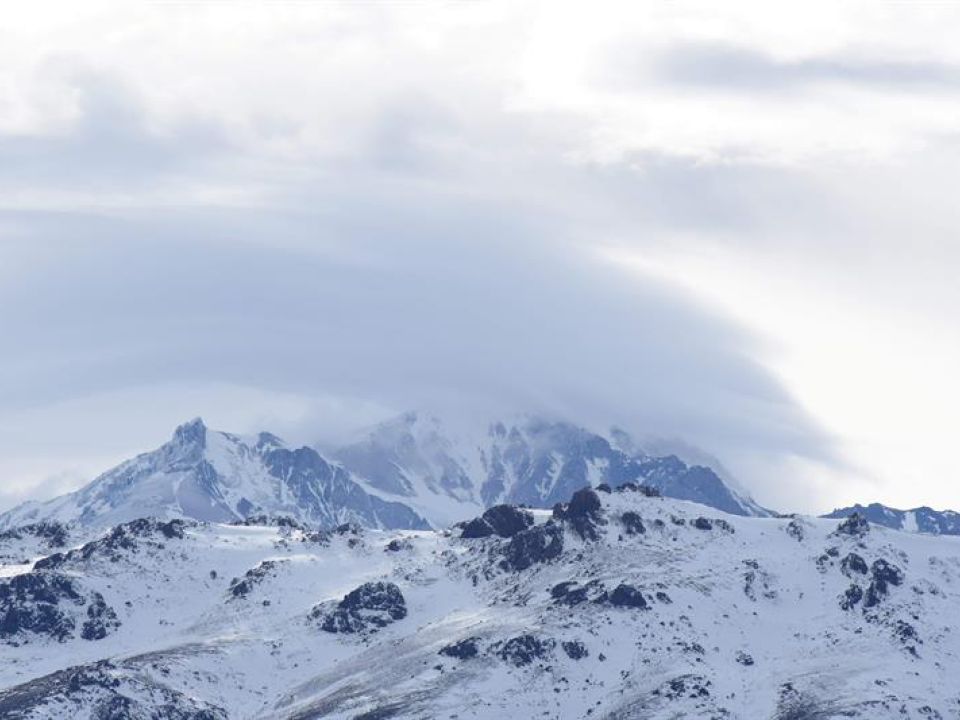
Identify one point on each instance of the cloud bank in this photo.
(307, 217)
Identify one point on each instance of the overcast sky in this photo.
(735, 227)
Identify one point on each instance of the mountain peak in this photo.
(192, 432)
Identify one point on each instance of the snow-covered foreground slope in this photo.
(615, 605)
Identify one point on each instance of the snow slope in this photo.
(614, 605)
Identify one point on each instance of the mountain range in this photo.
(921, 519)
(407, 473)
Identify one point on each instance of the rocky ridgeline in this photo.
(54, 534)
(119, 543)
(530, 544)
(103, 691)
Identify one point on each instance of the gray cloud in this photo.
(733, 67)
(110, 146)
(404, 276)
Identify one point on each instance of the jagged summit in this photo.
(192, 432)
(220, 477)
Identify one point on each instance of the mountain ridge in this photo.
(921, 519)
(406, 473)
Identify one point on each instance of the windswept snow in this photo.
(615, 605)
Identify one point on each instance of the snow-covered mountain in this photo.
(531, 461)
(615, 604)
(218, 477)
(921, 519)
(409, 473)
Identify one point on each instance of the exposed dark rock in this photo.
(524, 649)
(502, 520)
(29, 603)
(538, 544)
(241, 587)
(884, 575)
(663, 597)
(851, 596)
(702, 523)
(645, 490)
(37, 603)
(684, 686)
(123, 539)
(462, 649)
(855, 526)
(756, 578)
(111, 692)
(53, 534)
(371, 606)
(907, 635)
(744, 659)
(101, 619)
(571, 593)
(795, 530)
(575, 649)
(266, 520)
(723, 525)
(396, 545)
(625, 595)
(583, 512)
(632, 523)
(853, 564)
(348, 529)
(318, 537)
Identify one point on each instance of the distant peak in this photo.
(268, 440)
(191, 432)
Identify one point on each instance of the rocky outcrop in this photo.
(41, 604)
(854, 526)
(102, 691)
(502, 520)
(524, 650)
(538, 544)
(462, 650)
(120, 542)
(369, 607)
(584, 513)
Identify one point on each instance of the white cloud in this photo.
(790, 169)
